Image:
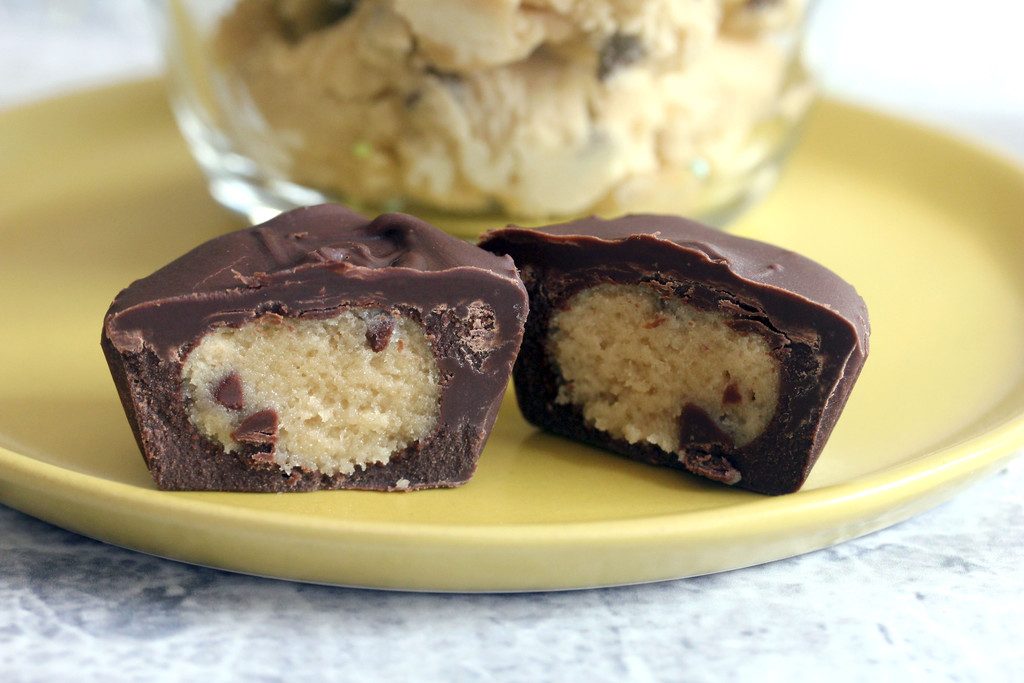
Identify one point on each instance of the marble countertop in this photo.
(935, 598)
(939, 597)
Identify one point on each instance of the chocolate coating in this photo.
(814, 322)
(314, 263)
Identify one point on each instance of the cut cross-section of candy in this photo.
(320, 350)
(674, 344)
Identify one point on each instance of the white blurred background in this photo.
(954, 64)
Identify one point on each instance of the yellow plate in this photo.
(98, 190)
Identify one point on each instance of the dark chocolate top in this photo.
(302, 262)
(658, 242)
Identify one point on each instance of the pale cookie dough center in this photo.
(340, 403)
(632, 360)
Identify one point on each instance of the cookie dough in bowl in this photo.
(530, 109)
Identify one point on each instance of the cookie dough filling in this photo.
(331, 395)
(637, 364)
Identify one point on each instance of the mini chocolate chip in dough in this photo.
(448, 78)
(412, 99)
(732, 394)
(299, 19)
(378, 332)
(619, 51)
(229, 392)
(258, 428)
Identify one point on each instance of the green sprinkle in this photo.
(700, 168)
(362, 150)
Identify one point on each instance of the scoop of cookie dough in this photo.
(547, 107)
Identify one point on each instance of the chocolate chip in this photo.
(713, 466)
(378, 332)
(449, 78)
(696, 426)
(413, 98)
(258, 428)
(229, 392)
(619, 51)
(337, 10)
(310, 18)
(702, 441)
(732, 394)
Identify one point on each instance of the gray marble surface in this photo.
(935, 598)
(940, 597)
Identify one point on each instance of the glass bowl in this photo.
(482, 112)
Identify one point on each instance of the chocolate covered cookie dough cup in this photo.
(673, 344)
(320, 350)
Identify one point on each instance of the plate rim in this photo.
(954, 462)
